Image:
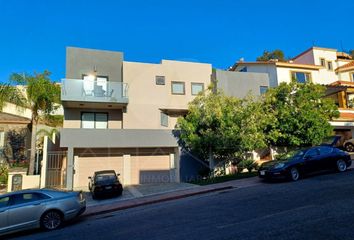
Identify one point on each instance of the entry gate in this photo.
(56, 170)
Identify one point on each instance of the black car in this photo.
(306, 161)
(105, 183)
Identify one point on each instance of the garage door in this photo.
(150, 169)
(86, 166)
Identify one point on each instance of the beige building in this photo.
(121, 115)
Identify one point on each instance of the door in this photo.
(312, 159)
(4, 201)
(327, 160)
(25, 210)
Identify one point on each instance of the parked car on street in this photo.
(44, 208)
(105, 183)
(301, 162)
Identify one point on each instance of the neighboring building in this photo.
(324, 66)
(121, 115)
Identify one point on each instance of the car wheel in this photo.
(349, 147)
(341, 165)
(294, 174)
(51, 220)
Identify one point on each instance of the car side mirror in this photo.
(89, 177)
(118, 174)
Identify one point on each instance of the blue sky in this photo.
(34, 33)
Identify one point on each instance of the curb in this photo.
(148, 202)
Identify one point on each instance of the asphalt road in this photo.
(320, 207)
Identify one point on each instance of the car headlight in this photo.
(279, 165)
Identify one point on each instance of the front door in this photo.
(312, 159)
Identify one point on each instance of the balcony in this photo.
(83, 91)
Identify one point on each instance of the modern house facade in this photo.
(325, 66)
(121, 115)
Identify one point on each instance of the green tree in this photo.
(41, 97)
(10, 94)
(276, 54)
(219, 127)
(300, 114)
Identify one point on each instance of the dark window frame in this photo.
(308, 79)
(94, 114)
(161, 118)
(330, 65)
(158, 78)
(196, 83)
(184, 88)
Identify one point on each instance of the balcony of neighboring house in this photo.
(86, 93)
(342, 93)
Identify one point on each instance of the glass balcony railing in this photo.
(94, 91)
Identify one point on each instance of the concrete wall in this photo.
(146, 98)
(239, 84)
(81, 61)
(270, 69)
(72, 117)
(284, 74)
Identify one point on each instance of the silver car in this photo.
(38, 208)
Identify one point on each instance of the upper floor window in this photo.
(94, 120)
(197, 88)
(330, 66)
(178, 88)
(164, 119)
(244, 69)
(263, 89)
(352, 76)
(160, 80)
(301, 77)
(323, 62)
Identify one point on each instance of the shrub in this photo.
(4, 173)
(249, 164)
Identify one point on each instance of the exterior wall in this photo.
(16, 110)
(326, 76)
(81, 61)
(72, 117)
(306, 58)
(264, 68)
(284, 74)
(146, 98)
(345, 76)
(239, 84)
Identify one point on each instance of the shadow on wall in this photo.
(191, 167)
(154, 176)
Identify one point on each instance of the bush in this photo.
(248, 164)
(4, 173)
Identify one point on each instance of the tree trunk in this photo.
(33, 148)
(211, 162)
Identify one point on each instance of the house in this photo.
(324, 66)
(121, 115)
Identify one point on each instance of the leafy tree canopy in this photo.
(276, 54)
(300, 113)
(222, 127)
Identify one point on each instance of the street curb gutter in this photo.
(148, 202)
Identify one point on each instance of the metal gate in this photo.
(56, 170)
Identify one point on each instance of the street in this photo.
(318, 207)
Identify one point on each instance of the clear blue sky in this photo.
(34, 33)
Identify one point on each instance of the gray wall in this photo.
(81, 61)
(239, 84)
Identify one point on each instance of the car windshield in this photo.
(104, 177)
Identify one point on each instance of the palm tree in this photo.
(41, 97)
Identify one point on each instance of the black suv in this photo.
(105, 183)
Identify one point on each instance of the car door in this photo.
(25, 210)
(312, 159)
(326, 154)
(4, 205)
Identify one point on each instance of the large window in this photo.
(197, 88)
(301, 77)
(178, 88)
(94, 120)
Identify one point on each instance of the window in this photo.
(325, 150)
(301, 77)
(197, 88)
(27, 197)
(329, 66)
(94, 120)
(323, 62)
(160, 80)
(352, 76)
(4, 201)
(178, 88)
(263, 89)
(244, 69)
(164, 119)
(313, 152)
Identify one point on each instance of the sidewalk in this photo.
(187, 191)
